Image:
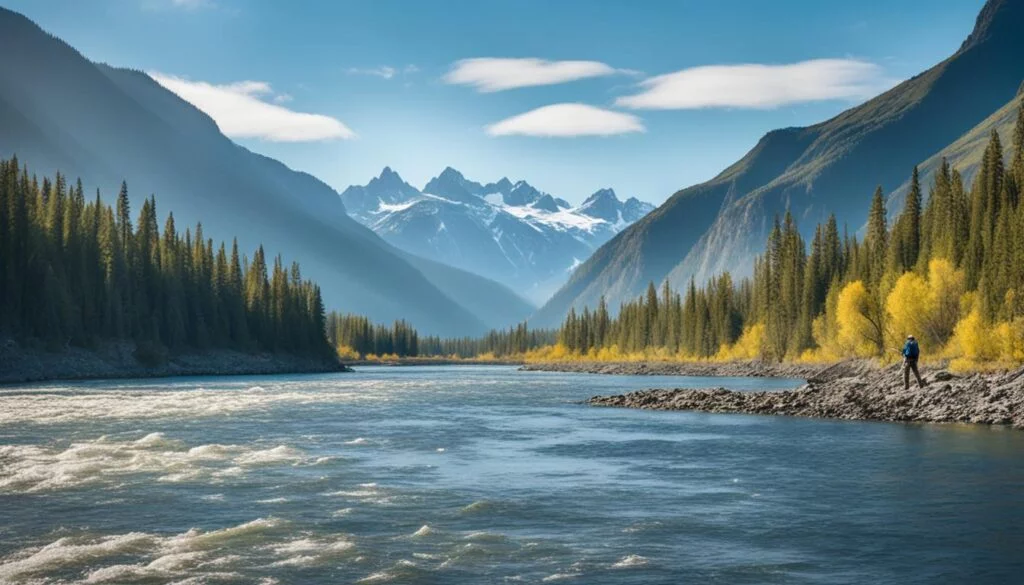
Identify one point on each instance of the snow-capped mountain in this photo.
(510, 232)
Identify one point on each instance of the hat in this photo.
(910, 337)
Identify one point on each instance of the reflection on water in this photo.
(485, 475)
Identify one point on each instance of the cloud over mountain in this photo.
(241, 112)
(567, 120)
(759, 86)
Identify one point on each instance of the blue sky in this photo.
(648, 97)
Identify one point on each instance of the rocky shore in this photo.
(858, 391)
(118, 360)
(754, 369)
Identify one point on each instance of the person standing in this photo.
(911, 353)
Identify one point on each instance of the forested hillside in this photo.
(79, 272)
(950, 272)
(61, 111)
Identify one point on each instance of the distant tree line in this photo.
(74, 272)
(357, 337)
(950, 271)
(514, 341)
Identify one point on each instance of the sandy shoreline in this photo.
(857, 391)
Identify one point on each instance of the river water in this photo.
(455, 475)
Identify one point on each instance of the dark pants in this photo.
(910, 365)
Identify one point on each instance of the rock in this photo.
(855, 392)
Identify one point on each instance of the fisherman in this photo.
(911, 351)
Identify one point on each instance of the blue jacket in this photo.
(911, 350)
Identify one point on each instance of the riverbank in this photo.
(858, 391)
(20, 364)
(431, 361)
(752, 369)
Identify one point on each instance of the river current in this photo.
(468, 475)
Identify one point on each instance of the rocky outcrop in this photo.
(755, 369)
(858, 391)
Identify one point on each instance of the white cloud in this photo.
(283, 98)
(567, 120)
(241, 113)
(759, 86)
(492, 74)
(384, 71)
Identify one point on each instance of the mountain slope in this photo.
(60, 111)
(965, 153)
(829, 167)
(505, 231)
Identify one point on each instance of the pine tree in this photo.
(876, 240)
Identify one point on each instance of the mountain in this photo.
(831, 167)
(965, 153)
(510, 232)
(60, 111)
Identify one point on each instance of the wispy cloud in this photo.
(567, 120)
(493, 74)
(384, 71)
(759, 86)
(191, 4)
(241, 112)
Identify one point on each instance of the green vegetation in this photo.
(950, 271)
(355, 337)
(77, 273)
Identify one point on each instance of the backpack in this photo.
(913, 351)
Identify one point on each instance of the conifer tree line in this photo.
(77, 272)
(355, 337)
(951, 271)
(517, 340)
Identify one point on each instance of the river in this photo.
(484, 474)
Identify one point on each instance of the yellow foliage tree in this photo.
(973, 339)
(859, 320)
(946, 286)
(825, 331)
(979, 344)
(749, 346)
(908, 311)
(347, 353)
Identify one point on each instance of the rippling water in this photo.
(456, 475)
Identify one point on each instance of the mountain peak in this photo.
(606, 193)
(603, 204)
(998, 18)
(450, 173)
(522, 193)
(388, 175)
(546, 203)
(451, 184)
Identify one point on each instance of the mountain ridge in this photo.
(510, 232)
(829, 167)
(120, 124)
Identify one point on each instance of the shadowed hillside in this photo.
(60, 111)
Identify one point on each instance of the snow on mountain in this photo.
(509, 232)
